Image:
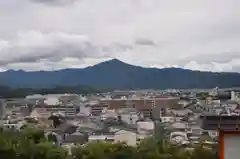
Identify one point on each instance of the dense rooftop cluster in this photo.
(130, 117)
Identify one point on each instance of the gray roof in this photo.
(75, 138)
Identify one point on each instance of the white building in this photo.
(130, 118)
(83, 109)
(167, 119)
(179, 126)
(108, 114)
(101, 138)
(128, 137)
(145, 126)
(178, 137)
(213, 134)
(51, 101)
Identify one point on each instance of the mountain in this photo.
(120, 75)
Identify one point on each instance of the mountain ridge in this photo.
(117, 74)
(117, 61)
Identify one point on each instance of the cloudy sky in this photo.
(56, 34)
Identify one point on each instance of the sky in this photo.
(57, 34)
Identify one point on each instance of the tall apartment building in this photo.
(150, 107)
(67, 110)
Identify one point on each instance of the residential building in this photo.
(67, 110)
(167, 119)
(51, 101)
(2, 108)
(150, 107)
(130, 118)
(128, 137)
(101, 137)
(76, 138)
(96, 109)
(145, 127)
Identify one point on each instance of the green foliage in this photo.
(30, 143)
(33, 134)
(202, 95)
(7, 92)
(52, 138)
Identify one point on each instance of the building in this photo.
(69, 110)
(76, 138)
(220, 122)
(145, 127)
(167, 119)
(97, 108)
(101, 137)
(84, 110)
(51, 101)
(130, 118)
(229, 133)
(128, 137)
(2, 108)
(149, 107)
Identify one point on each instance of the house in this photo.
(179, 126)
(195, 130)
(181, 113)
(51, 101)
(101, 137)
(128, 137)
(178, 137)
(167, 119)
(40, 113)
(108, 114)
(76, 138)
(14, 125)
(213, 134)
(145, 126)
(130, 118)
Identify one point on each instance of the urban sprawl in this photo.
(122, 116)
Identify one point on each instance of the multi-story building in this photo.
(97, 109)
(150, 107)
(67, 110)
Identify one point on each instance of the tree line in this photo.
(31, 143)
(8, 92)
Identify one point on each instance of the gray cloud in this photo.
(55, 2)
(174, 33)
(143, 41)
(213, 58)
(35, 46)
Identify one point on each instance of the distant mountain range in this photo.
(120, 75)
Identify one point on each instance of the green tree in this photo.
(52, 138)
(201, 153)
(57, 153)
(34, 134)
(30, 143)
